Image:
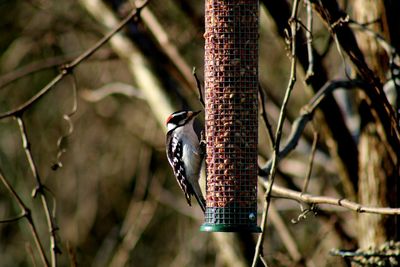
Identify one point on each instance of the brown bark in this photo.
(382, 112)
(372, 13)
(377, 173)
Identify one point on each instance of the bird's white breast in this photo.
(190, 149)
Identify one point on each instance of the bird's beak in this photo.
(195, 113)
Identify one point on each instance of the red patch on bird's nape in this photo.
(168, 119)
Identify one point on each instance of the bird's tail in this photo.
(201, 201)
(199, 197)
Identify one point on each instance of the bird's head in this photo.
(180, 118)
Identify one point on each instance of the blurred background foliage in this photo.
(117, 202)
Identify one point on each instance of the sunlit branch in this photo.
(278, 134)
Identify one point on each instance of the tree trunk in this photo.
(378, 170)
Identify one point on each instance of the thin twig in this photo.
(310, 69)
(394, 58)
(199, 87)
(35, 98)
(31, 68)
(67, 68)
(278, 134)
(17, 112)
(337, 23)
(27, 214)
(382, 111)
(29, 251)
(40, 190)
(170, 48)
(265, 117)
(339, 134)
(138, 66)
(304, 213)
(263, 261)
(27, 148)
(307, 114)
(134, 14)
(13, 219)
(310, 162)
(67, 118)
(389, 49)
(41, 65)
(258, 250)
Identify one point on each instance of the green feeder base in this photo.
(230, 219)
(207, 227)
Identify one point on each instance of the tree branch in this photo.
(337, 22)
(307, 115)
(310, 50)
(278, 133)
(42, 65)
(40, 190)
(27, 214)
(343, 148)
(265, 117)
(68, 68)
(281, 192)
(199, 87)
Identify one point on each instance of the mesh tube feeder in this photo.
(231, 90)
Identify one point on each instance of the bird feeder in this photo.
(231, 110)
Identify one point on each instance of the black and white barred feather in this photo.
(185, 155)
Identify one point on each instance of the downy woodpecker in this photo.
(185, 154)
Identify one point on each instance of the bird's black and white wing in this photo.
(174, 155)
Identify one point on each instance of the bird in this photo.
(185, 154)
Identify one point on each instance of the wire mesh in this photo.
(231, 86)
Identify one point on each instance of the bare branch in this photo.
(276, 151)
(168, 47)
(337, 22)
(307, 114)
(18, 112)
(343, 146)
(265, 117)
(13, 219)
(281, 192)
(263, 261)
(27, 214)
(394, 58)
(310, 162)
(45, 64)
(67, 118)
(199, 87)
(67, 68)
(310, 51)
(29, 251)
(40, 190)
(134, 14)
(34, 67)
(389, 49)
